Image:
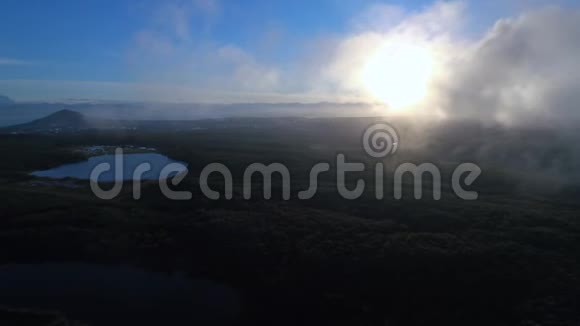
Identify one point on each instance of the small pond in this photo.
(130, 162)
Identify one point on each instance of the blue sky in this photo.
(86, 40)
(186, 43)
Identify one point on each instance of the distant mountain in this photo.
(5, 101)
(22, 112)
(61, 121)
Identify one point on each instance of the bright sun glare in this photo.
(398, 74)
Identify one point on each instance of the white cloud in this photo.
(13, 62)
(166, 52)
(154, 43)
(246, 72)
(524, 68)
(210, 8)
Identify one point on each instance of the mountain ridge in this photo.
(61, 121)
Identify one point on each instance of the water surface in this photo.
(130, 162)
(116, 295)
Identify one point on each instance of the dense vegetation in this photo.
(510, 258)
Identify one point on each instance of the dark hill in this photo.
(61, 121)
(5, 100)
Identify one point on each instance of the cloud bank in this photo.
(522, 69)
(525, 68)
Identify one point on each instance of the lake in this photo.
(130, 162)
(117, 295)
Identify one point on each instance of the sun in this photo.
(398, 74)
